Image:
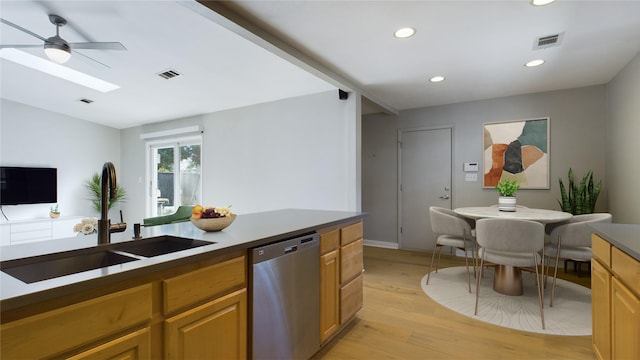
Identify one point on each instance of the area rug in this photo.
(570, 314)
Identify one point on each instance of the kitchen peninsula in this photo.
(177, 305)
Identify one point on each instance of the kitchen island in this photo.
(160, 306)
(615, 290)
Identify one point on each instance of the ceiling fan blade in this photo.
(7, 22)
(20, 46)
(90, 58)
(97, 45)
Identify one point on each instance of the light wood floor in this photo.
(398, 321)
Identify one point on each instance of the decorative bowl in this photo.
(213, 224)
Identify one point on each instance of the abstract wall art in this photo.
(517, 150)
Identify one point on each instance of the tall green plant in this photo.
(579, 198)
(94, 185)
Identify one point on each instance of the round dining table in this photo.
(508, 279)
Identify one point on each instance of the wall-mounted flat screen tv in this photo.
(28, 185)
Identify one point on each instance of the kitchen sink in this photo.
(159, 246)
(51, 266)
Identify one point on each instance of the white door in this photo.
(425, 180)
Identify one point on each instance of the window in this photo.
(175, 172)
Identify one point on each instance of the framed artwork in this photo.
(517, 150)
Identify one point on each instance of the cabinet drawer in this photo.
(31, 226)
(626, 268)
(203, 284)
(351, 263)
(47, 334)
(350, 299)
(350, 233)
(601, 249)
(329, 241)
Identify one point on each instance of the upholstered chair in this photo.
(570, 239)
(455, 231)
(511, 242)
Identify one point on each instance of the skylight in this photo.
(51, 68)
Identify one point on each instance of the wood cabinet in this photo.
(192, 311)
(341, 264)
(329, 284)
(615, 289)
(57, 331)
(216, 329)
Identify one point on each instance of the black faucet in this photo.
(108, 184)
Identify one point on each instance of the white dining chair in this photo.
(511, 242)
(570, 239)
(455, 231)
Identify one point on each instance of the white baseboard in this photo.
(381, 244)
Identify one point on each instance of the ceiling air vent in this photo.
(547, 41)
(169, 74)
(86, 101)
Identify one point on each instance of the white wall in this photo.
(294, 153)
(623, 143)
(77, 148)
(578, 125)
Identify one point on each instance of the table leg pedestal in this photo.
(508, 280)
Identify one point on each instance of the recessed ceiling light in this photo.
(437, 79)
(404, 32)
(533, 63)
(541, 2)
(51, 68)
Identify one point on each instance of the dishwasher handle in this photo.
(290, 249)
(301, 244)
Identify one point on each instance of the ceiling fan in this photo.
(58, 49)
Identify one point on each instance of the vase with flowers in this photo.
(87, 226)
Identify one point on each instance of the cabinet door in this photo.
(329, 294)
(600, 311)
(625, 322)
(133, 346)
(215, 330)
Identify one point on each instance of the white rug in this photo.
(570, 314)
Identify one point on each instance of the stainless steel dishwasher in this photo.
(285, 278)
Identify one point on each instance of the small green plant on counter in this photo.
(579, 198)
(54, 209)
(94, 186)
(507, 187)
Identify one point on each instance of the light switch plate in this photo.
(471, 177)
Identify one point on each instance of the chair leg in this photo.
(435, 249)
(478, 284)
(555, 275)
(540, 293)
(466, 263)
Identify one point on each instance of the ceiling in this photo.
(479, 46)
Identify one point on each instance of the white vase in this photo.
(507, 203)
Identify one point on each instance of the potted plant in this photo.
(54, 212)
(507, 190)
(94, 186)
(579, 199)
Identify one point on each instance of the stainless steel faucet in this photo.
(108, 184)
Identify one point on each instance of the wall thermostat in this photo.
(470, 166)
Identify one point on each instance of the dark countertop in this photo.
(247, 231)
(625, 237)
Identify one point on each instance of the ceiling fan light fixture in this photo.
(58, 53)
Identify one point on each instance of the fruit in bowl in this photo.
(211, 218)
